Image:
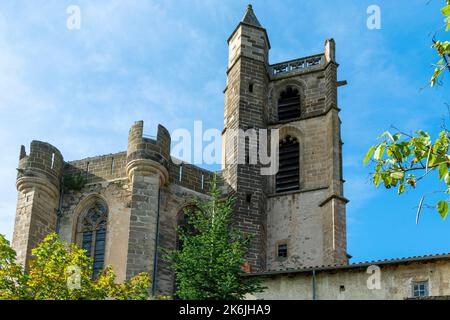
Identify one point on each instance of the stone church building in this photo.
(124, 208)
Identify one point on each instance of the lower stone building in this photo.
(124, 208)
(426, 277)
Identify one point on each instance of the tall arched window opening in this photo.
(94, 234)
(288, 177)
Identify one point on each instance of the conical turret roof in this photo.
(250, 17)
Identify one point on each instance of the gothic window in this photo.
(288, 176)
(289, 104)
(94, 234)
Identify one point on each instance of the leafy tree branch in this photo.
(401, 160)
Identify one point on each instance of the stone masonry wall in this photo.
(296, 220)
(117, 196)
(143, 224)
(97, 169)
(174, 199)
(351, 284)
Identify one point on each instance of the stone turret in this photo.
(245, 108)
(38, 182)
(147, 163)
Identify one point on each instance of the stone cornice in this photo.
(147, 167)
(26, 183)
(332, 197)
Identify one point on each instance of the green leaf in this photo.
(401, 189)
(446, 10)
(398, 175)
(369, 155)
(436, 74)
(376, 179)
(397, 137)
(443, 170)
(431, 161)
(387, 133)
(443, 209)
(447, 179)
(387, 180)
(379, 152)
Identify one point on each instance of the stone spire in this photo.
(250, 17)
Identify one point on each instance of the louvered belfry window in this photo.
(288, 177)
(289, 104)
(94, 235)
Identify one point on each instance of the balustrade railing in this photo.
(294, 65)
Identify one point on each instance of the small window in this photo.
(420, 289)
(113, 165)
(180, 174)
(53, 161)
(282, 250)
(87, 169)
(250, 87)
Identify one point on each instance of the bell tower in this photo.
(296, 217)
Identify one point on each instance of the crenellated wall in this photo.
(100, 168)
(130, 183)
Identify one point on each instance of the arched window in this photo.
(93, 230)
(288, 177)
(289, 104)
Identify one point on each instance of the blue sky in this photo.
(165, 62)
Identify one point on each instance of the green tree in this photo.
(443, 48)
(209, 264)
(62, 271)
(401, 160)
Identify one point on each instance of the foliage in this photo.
(397, 159)
(12, 278)
(400, 160)
(62, 271)
(208, 266)
(74, 181)
(442, 48)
